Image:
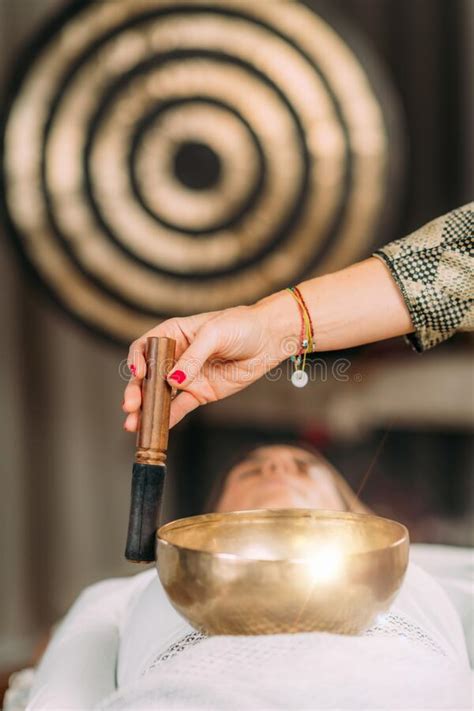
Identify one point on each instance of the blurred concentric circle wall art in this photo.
(174, 157)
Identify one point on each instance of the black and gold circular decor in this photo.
(169, 157)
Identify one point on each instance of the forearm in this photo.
(421, 285)
(357, 305)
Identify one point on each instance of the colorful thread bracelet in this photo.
(298, 293)
(300, 378)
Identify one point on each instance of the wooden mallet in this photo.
(149, 469)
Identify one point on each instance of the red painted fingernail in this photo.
(133, 369)
(179, 376)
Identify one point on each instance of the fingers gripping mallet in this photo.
(149, 469)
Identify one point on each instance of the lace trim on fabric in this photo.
(173, 650)
(390, 626)
(396, 626)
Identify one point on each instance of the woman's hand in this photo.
(218, 353)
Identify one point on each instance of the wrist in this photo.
(281, 322)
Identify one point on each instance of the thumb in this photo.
(194, 357)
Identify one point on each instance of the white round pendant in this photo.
(299, 378)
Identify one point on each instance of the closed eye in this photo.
(249, 472)
(302, 465)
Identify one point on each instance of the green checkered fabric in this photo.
(434, 269)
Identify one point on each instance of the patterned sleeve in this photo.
(433, 268)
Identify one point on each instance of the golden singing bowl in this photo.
(287, 570)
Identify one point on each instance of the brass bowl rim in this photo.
(290, 513)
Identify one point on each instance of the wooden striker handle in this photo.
(152, 438)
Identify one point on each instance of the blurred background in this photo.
(163, 158)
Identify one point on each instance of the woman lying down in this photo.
(122, 645)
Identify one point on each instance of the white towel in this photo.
(413, 658)
(125, 634)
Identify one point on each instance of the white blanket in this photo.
(125, 634)
(304, 671)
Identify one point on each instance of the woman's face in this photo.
(280, 476)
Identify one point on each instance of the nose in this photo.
(280, 463)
